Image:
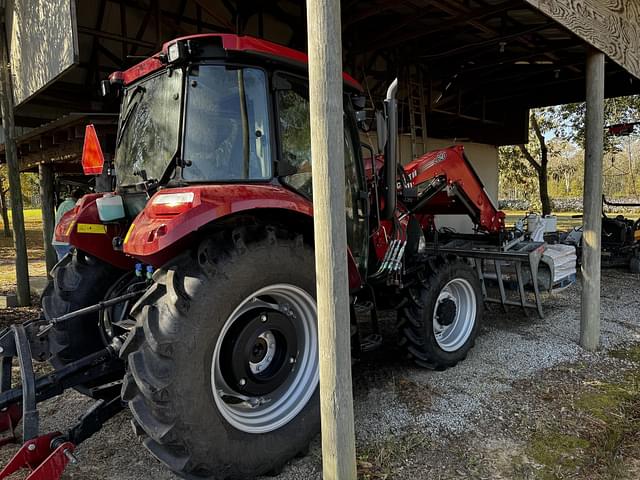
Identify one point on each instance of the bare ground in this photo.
(527, 403)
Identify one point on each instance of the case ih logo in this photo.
(441, 157)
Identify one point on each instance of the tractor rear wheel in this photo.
(440, 320)
(223, 364)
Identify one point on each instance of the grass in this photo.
(565, 220)
(379, 461)
(35, 250)
(600, 436)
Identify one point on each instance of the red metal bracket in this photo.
(43, 462)
(9, 419)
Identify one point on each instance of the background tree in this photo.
(536, 152)
(4, 188)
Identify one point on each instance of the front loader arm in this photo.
(446, 183)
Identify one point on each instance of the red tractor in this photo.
(189, 294)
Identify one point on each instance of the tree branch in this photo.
(529, 157)
(536, 128)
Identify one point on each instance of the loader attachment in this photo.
(522, 257)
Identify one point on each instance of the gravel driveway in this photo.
(417, 423)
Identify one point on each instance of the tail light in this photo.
(92, 157)
(171, 204)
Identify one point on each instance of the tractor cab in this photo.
(214, 118)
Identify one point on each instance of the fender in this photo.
(164, 228)
(82, 228)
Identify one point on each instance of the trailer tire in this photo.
(450, 290)
(78, 280)
(191, 326)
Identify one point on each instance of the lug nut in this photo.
(31, 447)
(263, 318)
(292, 360)
(242, 382)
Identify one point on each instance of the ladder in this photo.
(417, 113)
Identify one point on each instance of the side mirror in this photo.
(381, 130)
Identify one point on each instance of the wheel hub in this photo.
(255, 354)
(454, 314)
(265, 363)
(446, 312)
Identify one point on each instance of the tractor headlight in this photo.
(177, 52)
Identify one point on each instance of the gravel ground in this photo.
(451, 418)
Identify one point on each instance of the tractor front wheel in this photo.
(223, 364)
(78, 280)
(440, 320)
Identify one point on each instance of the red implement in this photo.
(9, 419)
(43, 460)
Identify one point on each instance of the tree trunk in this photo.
(541, 168)
(543, 179)
(544, 191)
(3, 209)
(13, 170)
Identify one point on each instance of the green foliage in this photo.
(616, 110)
(563, 130)
(517, 178)
(30, 186)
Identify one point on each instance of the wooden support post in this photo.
(327, 151)
(13, 170)
(48, 212)
(590, 315)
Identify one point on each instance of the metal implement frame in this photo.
(46, 456)
(518, 253)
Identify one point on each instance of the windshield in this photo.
(149, 126)
(227, 133)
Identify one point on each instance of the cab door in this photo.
(294, 163)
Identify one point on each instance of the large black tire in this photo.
(416, 317)
(179, 320)
(78, 280)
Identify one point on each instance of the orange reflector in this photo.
(92, 157)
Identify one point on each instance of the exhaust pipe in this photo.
(390, 160)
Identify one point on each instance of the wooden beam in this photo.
(123, 29)
(13, 169)
(612, 26)
(590, 311)
(45, 171)
(468, 16)
(215, 14)
(114, 36)
(327, 150)
(141, 29)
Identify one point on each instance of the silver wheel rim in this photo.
(452, 336)
(266, 413)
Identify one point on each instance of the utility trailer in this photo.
(189, 294)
